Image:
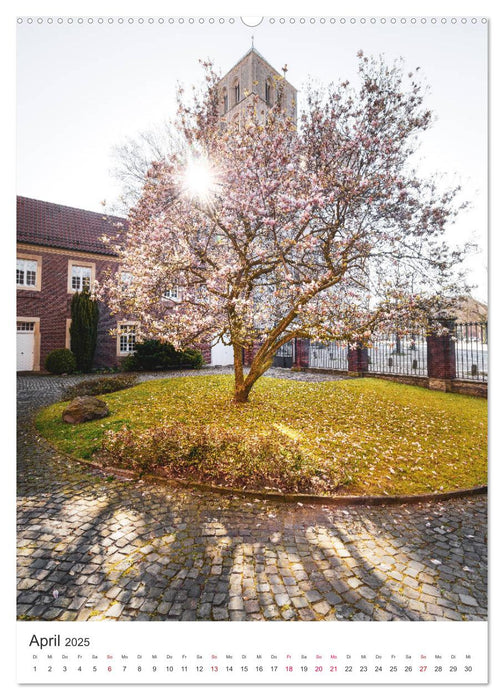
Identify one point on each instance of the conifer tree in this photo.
(84, 329)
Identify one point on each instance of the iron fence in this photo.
(471, 351)
(402, 354)
(399, 354)
(284, 356)
(332, 355)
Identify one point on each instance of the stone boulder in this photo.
(85, 408)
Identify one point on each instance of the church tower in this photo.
(253, 75)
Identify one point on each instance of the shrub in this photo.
(84, 329)
(129, 364)
(154, 354)
(61, 362)
(102, 385)
(225, 456)
(193, 358)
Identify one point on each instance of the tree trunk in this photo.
(240, 394)
(243, 385)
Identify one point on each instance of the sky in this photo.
(86, 86)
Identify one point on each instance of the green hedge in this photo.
(154, 354)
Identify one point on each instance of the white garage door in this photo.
(25, 346)
(222, 354)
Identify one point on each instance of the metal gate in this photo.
(332, 355)
(285, 355)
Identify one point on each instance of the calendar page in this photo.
(252, 350)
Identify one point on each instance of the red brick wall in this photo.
(52, 305)
(441, 360)
(302, 353)
(206, 351)
(106, 344)
(249, 353)
(358, 359)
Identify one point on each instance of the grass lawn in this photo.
(358, 436)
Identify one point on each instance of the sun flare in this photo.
(198, 179)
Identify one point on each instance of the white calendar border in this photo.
(201, 653)
(227, 8)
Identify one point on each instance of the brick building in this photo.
(60, 251)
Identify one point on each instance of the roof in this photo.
(59, 226)
(253, 50)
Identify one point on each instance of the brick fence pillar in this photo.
(301, 353)
(249, 353)
(441, 361)
(206, 351)
(357, 360)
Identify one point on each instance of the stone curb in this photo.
(279, 497)
(305, 497)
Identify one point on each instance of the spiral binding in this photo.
(272, 20)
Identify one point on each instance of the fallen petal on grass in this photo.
(359, 436)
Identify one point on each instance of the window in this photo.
(126, 279)
(28, 269)
(126, 338)
(172, 293)
(237, 92)
(267, 92)
(81, 278)
(26, 273)
(201, 293)
(25, 326)
(81, 275)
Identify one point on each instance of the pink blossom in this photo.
(314, 231)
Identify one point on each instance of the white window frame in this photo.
(122, 334)
(80, 264)
(33, 260)
(79, 275)
(126, 279)
(172, 293)
(25, 326)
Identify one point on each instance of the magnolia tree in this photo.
(273, 230)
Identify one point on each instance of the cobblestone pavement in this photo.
(91, 548)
